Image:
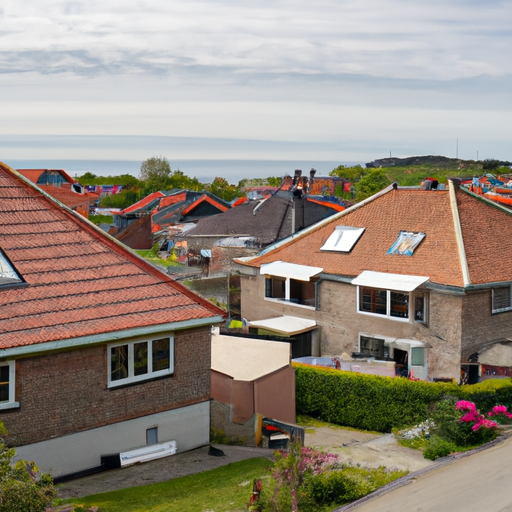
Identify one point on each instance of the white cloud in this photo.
(394, 72)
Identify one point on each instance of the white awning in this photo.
(399, 282)
(403, 344)
(291, 270)
(289, 325)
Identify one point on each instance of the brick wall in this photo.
(66, 392)
(340, 324)
(480, 325)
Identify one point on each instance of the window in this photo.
(501, 299)
(372, 347)
(383, 302)
(290, 290)
(7, 388)
(152, 435)
(406, 243)
(417, 356)
(343, 239)
(8, 274)
(420, 309)
(140, 360)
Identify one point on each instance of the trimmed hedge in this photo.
(372, 402)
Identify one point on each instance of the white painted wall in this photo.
(188, 426)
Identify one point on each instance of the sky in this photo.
(338, 81)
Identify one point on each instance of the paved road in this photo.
(479, 482)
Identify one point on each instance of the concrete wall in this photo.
(340, 324)
(64, 393)
(189, 426)
(272, 395)
(221, 419)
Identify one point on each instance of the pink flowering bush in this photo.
(479, 420)
(290, 469)
(459, 425)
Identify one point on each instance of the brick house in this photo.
(418, 277)
(100, 353)
(60, 185)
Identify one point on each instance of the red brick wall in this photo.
(67, 392)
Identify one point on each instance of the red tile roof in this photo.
(80, 282)
(486, 237)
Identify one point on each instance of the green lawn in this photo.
(224, 489)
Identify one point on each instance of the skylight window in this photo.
(8, 274)
(406, 243)
(343, 239)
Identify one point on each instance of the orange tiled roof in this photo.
(66, 196)
(486, 234)
(80, 282)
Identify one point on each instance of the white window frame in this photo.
(132, 378)
(388, 305)
(11, 402)
(287, 299)
(501, 310)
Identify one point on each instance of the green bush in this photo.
(340, 486)
(372, 402)
(438, 447)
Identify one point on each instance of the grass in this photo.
(224, 489)
(149, 256)
(310, 424)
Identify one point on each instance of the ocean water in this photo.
(204, 170)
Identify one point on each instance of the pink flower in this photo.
(470, 416)
(464, 405)
(499, 409)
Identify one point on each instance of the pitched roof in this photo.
(443, 255)
(267, 220)
(79, 281)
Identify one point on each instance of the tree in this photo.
(155, 172)
(21, 490)
(221, 188)
(373, 181)
(351, 174)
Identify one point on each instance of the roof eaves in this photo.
(253, 262)
(458, 233)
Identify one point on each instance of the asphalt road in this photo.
(477, 481)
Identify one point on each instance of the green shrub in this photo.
(372, 402)
(438, 447)
(340, 486)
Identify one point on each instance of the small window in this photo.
(141, 360)
(7, 387)
(417, 356)
(152, 435)
(8, 274)
(501, 299)
(406, 243)
(420, 309)
(371, 347)
(343, 239)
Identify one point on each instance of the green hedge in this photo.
(371, 402)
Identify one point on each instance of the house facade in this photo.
(418, 277)
(100, 353)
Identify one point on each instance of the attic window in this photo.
(343, 239)
(8, 274)
(406, 243)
